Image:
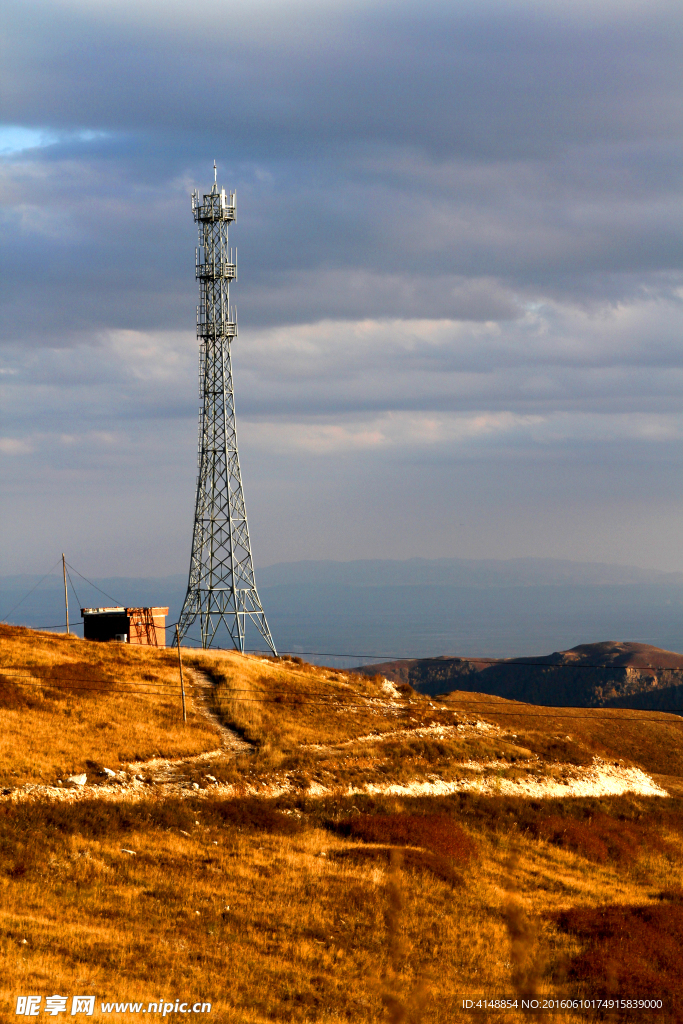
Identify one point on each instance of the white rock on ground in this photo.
(77, 780)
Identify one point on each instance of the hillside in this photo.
(315, 845)
(607, 674)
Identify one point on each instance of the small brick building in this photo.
(145, 626)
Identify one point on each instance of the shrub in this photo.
(14, 696)
(435, 832)
(256, 815)
(600, 838)
(96, 818)
(628, 949)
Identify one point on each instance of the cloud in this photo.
(355, 381)
(395, 431)
(487, 80)
(482, 435)
(552, 357)
(117, 254)
(15, 446)
(458, 238)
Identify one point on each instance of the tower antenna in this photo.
(221, 588)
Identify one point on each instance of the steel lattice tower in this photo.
(221, 587)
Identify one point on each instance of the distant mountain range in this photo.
(347, 613)
(464, 572)
(607, 674)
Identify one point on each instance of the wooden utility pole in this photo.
(66, 593)
(180, 666)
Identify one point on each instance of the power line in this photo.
(676, 712)
(31, 590)
(103, 689)
(93, 584)
(38, 629)
(502, 663)
(385, 658)
(474, 659)
(61, 625)
(332, 696)
(381, 658)
(18, 674)
(493, 705)
(174, 693)
(73, 588)
(341, 706)
(339, 697)
(572, 718)
(12, 674)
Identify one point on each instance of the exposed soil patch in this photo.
(191, 774)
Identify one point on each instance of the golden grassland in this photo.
(281, 914)
(65, 702)
(304, 718)
(652, 741)
(286, 703)
(331, 908)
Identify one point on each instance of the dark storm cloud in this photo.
(437, 159)
(477, 80)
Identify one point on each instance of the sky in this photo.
(460, 292)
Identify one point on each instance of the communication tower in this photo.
(221, 587)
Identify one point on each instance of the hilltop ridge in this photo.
(611, 673)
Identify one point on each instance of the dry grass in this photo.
(629, 948)
(319, 909)
(286, 702)
(270, 914)
(66, 702)
(303, 720)
(653, 740)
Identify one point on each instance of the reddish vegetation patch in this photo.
(629, 949)
(600, 838)
(28, 822)
(435, 832)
